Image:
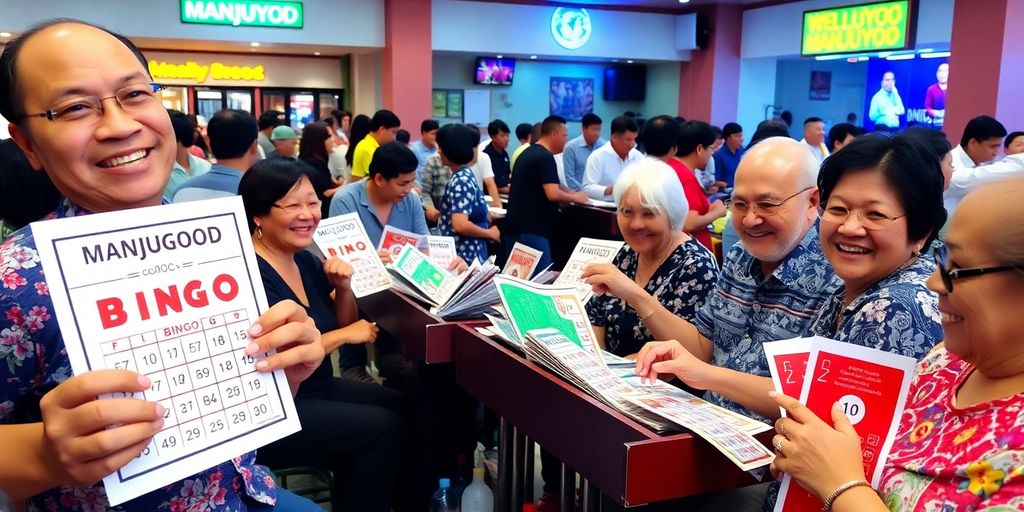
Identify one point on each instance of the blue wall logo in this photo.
(570, 27)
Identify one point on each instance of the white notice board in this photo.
(476, 106)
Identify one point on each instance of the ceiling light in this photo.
(316, 53)
(830, 57)
(5, 34)
(533, 57)
(501, 56)
(684, 1)
(935, 55)
(629, 62)
(254, 44)
(901, 57)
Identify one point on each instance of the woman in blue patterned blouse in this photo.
(464, 212)
(881, 203)
(659, 259)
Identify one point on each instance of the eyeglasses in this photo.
(949, 275)
(870, 220)
(81, 108)
(297, 208)
(763, 208)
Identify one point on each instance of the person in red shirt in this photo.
(685, 147)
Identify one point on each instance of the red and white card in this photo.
(870, 385)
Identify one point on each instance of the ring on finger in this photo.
(778, 445)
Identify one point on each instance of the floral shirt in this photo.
(462, 195)
(33, 361)
(946, 458)
(897, 314)
(748, 308)
(682, 284)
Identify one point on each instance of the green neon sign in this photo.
(243, 13)
(857, 28)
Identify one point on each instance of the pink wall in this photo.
(709, 83)
(985, 47)
(407, 72)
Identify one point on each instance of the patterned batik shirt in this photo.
(681, 284)
(748, 309)
(462, 195)
(33, 361)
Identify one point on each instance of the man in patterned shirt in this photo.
(82, 107)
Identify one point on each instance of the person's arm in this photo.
(555, 194)
(965, 180)
(592, 179)
(464, 227)
(492, 190)
(695, 221)
(81, 439)
(287, 328)
(419, 219)
(900, 110)
(671, 357)
(573, 175)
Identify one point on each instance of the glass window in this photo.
(302, 105)
(175, 98)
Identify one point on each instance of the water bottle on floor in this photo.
(444, 499)
(478, 497)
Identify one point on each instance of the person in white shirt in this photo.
(1014, 144)
(886, 104)
(814, 137)
(978, 145)
(606, 163)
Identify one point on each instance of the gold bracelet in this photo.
(840, 490)
(648, 315)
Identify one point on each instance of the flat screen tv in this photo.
(494, 71)
(625, 83)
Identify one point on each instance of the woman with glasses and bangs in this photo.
(352, 428)
(881, 207)
(960, 443)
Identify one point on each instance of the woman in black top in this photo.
(314, 150)
(351, 427)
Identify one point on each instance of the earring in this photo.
(259, 232)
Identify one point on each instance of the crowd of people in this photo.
(879, 240)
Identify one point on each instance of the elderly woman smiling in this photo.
(960, 444)
(659, 260)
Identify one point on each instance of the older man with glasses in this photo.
(770, 288)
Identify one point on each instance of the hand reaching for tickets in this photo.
(87, 439)
(607, 278)
(287, 328)
(339, 273)
(669, 357)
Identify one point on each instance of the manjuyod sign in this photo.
(243, 13)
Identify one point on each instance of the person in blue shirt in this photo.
(576, 152)
(232, 136)
(464, 212)
(727, 159)
(426, 146)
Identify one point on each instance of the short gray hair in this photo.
(658, 187)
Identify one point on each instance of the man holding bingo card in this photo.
(82, 107)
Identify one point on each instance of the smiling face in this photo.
(861, 256)
(981, 317)
(646, 231)
(291, 221)
(814, 133)
(119, 160)
(770, 172)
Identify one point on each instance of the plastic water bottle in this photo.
(444, 499)
(478, 497)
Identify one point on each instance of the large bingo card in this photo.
(170, 292)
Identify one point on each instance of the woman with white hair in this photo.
(660, 259)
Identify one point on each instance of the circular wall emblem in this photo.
(570, 27)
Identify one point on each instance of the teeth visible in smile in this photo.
(850, 248)
(946, 317)
(123, 160)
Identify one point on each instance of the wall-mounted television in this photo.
(494, 71)
(625, 83)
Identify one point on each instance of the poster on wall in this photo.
(571, 97)
(904, 93)
(455, 104)
(440, 102)
(821, 85)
